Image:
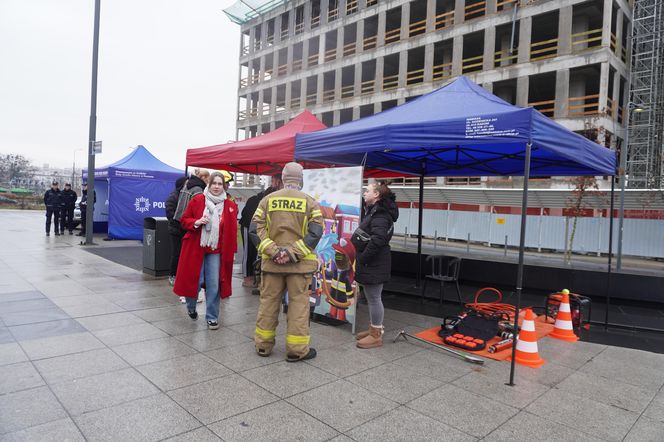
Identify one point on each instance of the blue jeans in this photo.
(209, 274)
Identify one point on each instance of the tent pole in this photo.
(420, 216)
(608, 273)
(522, 244)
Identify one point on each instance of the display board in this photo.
(339, 193)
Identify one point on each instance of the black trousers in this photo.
(67, 219)
(55, 213)
(250, 253)
(176, 246)
(84, 216)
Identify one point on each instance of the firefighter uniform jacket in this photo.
(288, 220)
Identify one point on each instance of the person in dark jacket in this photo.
(374, 259)
(83, 206)
(175, 230)
(67, 210)
(53, 203)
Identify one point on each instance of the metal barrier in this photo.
(349, 49)
(367, 87)
(415, 77)
(417, 28)
(444, 20)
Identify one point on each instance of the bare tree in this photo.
(15, 169)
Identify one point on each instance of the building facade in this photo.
(348, 59)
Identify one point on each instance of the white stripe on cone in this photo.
(564, 307)
(528, 325)
(563, 324)
(526, 346)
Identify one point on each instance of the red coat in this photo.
(191, 256)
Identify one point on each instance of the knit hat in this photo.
(292, 174)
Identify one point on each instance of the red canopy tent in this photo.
(262, 155)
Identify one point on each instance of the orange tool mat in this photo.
(541, 327)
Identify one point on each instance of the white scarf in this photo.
(214, 207)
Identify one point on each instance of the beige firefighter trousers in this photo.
(273, 286)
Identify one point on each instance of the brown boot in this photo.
(373, 339)
(362, 334)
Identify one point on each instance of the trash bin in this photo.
(156, 247)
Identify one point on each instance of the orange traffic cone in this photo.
(526, 344)
(562, 329)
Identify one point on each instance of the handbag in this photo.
(360, 239)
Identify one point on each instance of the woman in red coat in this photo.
(208, 249)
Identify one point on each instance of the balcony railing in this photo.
(315, 21)
(351, 7)
(367, 87)
(503, 5)
(270, 40)
(444, 20)
(297, 64)
(255, 78)
(504, 58)
(295, 103)
(392, 36)
(583, 41)
(474, 10)
(330, 55)
(299, 28)
(312, 60)
(311, 99)
(546, 107)
(583, 106)
(442, 71)
(414, 77)
(282, 69)
(349, 49)
(265, 109)
(245, 50)
(347, 91)
(332, 14)
(267, 75)
(544, 49)
(417, 28)
(390, 82)
(244, 82)
(369, 42)
(328, 95)
(284, 34)
(372, 2)
(472, 64)
(614, 43)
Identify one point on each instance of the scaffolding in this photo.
(645, 162)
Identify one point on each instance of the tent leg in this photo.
(608, 272)
(420, 216)
(522, 244)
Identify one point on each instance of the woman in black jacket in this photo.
(175, 231)
(374, 260)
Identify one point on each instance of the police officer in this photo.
(67, 210)
(53, 203)
(286, 228)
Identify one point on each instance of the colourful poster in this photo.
(339, 193)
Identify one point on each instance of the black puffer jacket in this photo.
(174, 227)
(374, 263)
(53, 199)
(68, 199)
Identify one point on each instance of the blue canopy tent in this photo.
(137, 187)
(460, 130)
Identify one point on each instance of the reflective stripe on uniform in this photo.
(263, 244)
(303, 247)
(258, 213)
(265, 334)
(338, 285)
(297, 340)
(316, 213)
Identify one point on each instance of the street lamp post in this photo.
(92, 136)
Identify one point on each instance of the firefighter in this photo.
(286, 229)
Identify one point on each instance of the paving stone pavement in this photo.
(92, 350)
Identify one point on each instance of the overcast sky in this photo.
(168, 77)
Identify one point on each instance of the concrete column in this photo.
(565, 30)
(321, 49)
(291, 22)
(261, 72)
(380, 33)
(380, 66)
(562, 94)
(337, 84)
(403, 68)
(603, 85)
(457, 55)
(459, 11)
(273, 103)
(378, 107)
(252, 39)
(428, 63)
(307, 16)
(277, 29)
(287, 95)
(305, 54)
(491, 7)
(259, 109)
(489, 47)
(357, 90)
(619, 32)
(359, 36)
(336, 116)
(320, 84)
(606, 23)
(303, 93)
(356, 109)
(324, 6)
(525, 31)
(488, 87)
(405, 20)
(616, 95)
(289, 60)
(522, 91)
(431, 15)
(340, 41)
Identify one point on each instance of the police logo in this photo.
(142, 204)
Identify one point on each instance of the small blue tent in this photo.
(458, 130)
(131, 189)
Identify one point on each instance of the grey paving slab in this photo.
(148, 419)
(183, 371)
(78, 300)
(607, 391)
(163, 313)
(202, 434)
(145, 352)
(79, 365)
(103, 390)
(391, 351)
(11, 353)
(285, 379)
(128, 334)
(278, 421)
(473, 414)
(625, 370)
(23, 305)
(592, 417)
(217, 399)
(63, 430)
(549, 374)
(5, 335)
(342, 405)
(80, 311)
(395, 382)
(46, 329)
(111, 320)
(60, 345)
(656, 408)
(528, 427)
(345, 360)
(517, 396)
(403, 424)
(436, 365)
(28, 408)
(241, 357)
(33, 316)
(206, 340)
(180, 326)
(230, 317)
(20, 296)
(17, 377)
(646, 430)
(147, 303)
(573, 355)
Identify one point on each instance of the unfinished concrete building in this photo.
(347, 59)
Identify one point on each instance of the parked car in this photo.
(77, 212)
